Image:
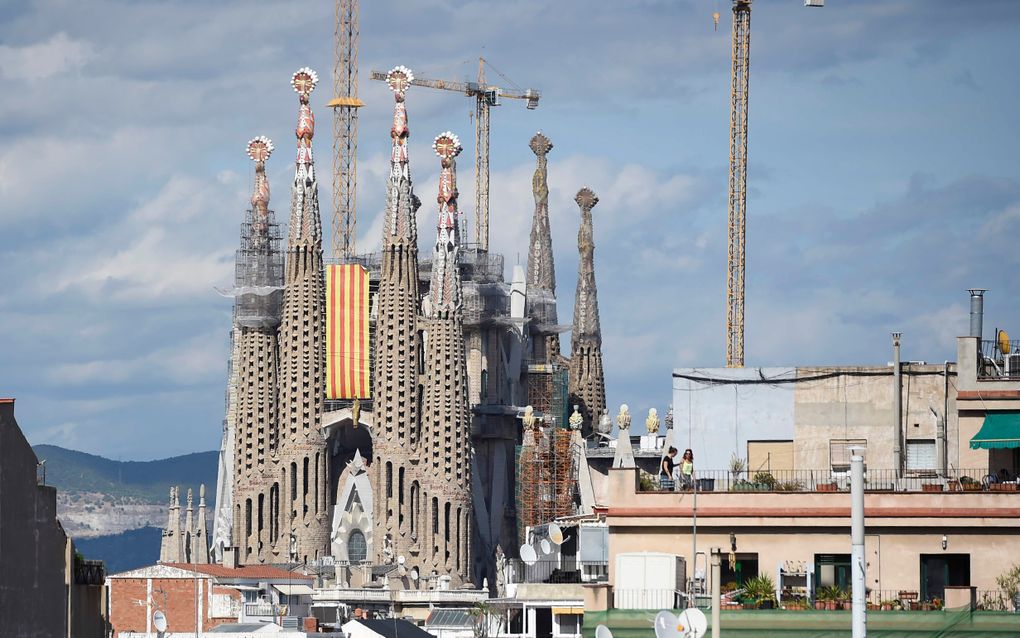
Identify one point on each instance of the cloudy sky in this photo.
(883, 181)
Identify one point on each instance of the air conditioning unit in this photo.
(1011, 365)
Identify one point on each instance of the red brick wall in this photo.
(127, 615)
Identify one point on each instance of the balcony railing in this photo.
(966, 480)
(647, 599)
(260, 610)
(557, 571)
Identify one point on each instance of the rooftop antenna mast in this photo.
(345, 104)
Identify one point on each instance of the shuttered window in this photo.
(920, 454)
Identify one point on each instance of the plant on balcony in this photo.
(932, 487)
(1002, 487)
(970, 484)
(830, 596)
(765, 480)
(740, 485)
(761, 591)
(826, 487)
(737, 465)
(1009, 581)
(790, 486)
(888, 605)
(646, 483)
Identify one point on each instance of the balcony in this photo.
(825, 480)
(557, 571)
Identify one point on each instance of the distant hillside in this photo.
(121, 552)
(149, 481)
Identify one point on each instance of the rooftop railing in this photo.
(998, 363)
(885, 480)
(557, 571)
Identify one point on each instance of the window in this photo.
(839, 453)
(357, 548)
(569, 624)
(920, 454)
(832, 570)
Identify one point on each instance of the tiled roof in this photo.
(262, 572)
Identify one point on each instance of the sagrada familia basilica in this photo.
(392, 410)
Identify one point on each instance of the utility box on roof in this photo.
(649, 580)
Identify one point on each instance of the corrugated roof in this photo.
(263, 572)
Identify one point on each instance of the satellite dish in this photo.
(528, 554)
(159, 621)
(555, 534)
(414, 574)
(694, 620)
(1003, 339)
(601, 631)
(545, 545)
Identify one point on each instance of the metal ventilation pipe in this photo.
(977, 312)
(897, 407)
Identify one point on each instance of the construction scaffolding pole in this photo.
(738, 184)
(482, 103)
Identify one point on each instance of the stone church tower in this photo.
(258, 281)
(445, 421)
(541, 268)
(395, 437)
(300, 445)
(587, 383)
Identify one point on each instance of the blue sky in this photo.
(883, 181)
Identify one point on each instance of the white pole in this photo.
(716, 590)
(857, 565)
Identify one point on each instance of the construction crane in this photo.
(738, 178)
(485, 95)
(345, 105)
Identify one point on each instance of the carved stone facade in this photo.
(301, 447)
(447, 456)
(396, 383)
(187, 543)
(587, 381)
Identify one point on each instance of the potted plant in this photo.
(970, 484)
(829, 596)
(1002, 487)
(886, 605)
(737, 467)
(932, 487)
(765, 481)
(761, 591)
(826, 487)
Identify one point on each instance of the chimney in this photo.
(977, 312)
(230, 557)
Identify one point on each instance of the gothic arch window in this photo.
(400, 497)
(357, 547)
(415, 503)
(304, 494)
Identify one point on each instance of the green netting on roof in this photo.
(822, 624)
(1000, 430)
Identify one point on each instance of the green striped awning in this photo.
(1000, 430)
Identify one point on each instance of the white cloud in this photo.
(34, 62)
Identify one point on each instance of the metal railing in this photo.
(89, 572)
(646, 599)
(996, 365)
(825, 480)
(557, 571)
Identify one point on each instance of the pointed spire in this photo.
(189, 531)
(401, 204)
(587, 381)
(586, 302)
(541, 270)
(305, 224)
(445, 288)
(259, 150)
(199, 542)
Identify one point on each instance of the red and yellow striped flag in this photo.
(348, 350)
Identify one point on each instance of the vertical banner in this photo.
(348, 350)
